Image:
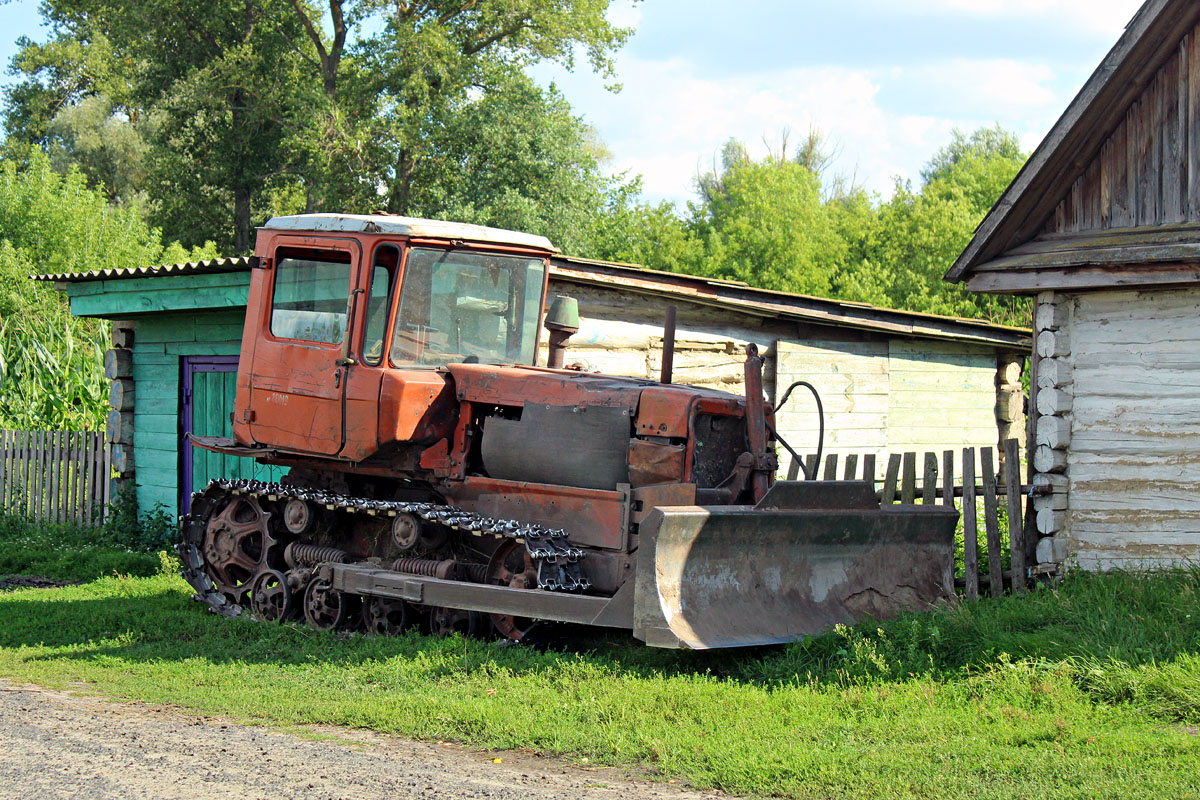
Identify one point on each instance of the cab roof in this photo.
(407, 226)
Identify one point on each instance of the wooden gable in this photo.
(1112, 195)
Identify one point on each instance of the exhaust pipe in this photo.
(562, 321)
(668, 358)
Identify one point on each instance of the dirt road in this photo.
(57, 745)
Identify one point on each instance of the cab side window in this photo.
(383, 275)
(309, 301)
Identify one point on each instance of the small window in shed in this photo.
(311, 288)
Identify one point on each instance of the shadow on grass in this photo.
(1129, 618)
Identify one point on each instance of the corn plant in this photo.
(52, 373)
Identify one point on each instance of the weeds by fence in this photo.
(1007, 535)
(55, 476)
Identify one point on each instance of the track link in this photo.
(557, 560)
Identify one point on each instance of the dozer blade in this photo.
(809, 556)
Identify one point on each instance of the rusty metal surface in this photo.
(738, 576)
(595, 518)
(654, 462)
(648, 498)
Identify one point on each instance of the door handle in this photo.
(337, 378)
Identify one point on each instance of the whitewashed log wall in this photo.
(1133, 441)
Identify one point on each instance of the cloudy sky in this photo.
(885, 80)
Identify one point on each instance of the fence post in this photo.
(4, 471)
(992, 523)
(107, 497)
(970, 530)
(929, 482)
(869, 469)
(948, 478)
(40, 497)
(908, 489)
(1016, 530)
(851, 467)
(793, 469)
(831, 462)
(889, 479)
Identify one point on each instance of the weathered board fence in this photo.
(55, 476)
(930, 479)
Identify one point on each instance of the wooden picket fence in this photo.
(55, 476)
(937, 484)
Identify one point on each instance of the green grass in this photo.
(69, 553)
(1084, 690)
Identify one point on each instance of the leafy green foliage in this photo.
(769, 227)
(246, 108)
(780, 223)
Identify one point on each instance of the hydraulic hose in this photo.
(820, 428)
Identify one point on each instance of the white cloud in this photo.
(669, 122)
(998, 87)
(625, 13)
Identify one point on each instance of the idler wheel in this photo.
(237, 544)
(329, 609)
(271, 596)
(299, 516)
(511, 566)
(384, 616)
(445, 621)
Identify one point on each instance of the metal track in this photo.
(557, 559)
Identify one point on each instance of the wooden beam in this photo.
(1071, 278)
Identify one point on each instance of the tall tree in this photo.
(767, 225)
(340, 104)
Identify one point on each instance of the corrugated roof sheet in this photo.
(733, 295)
(190, 268)
(736, 295)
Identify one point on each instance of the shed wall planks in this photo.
(880, 397)
(1134, 458)
(159, 347)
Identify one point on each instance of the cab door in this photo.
(298, 381)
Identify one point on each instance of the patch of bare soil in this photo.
(28, 582)
(58, 745)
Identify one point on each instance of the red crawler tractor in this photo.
(439, 478)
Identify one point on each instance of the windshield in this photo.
(460, 306)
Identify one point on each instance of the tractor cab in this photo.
(347, 310)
